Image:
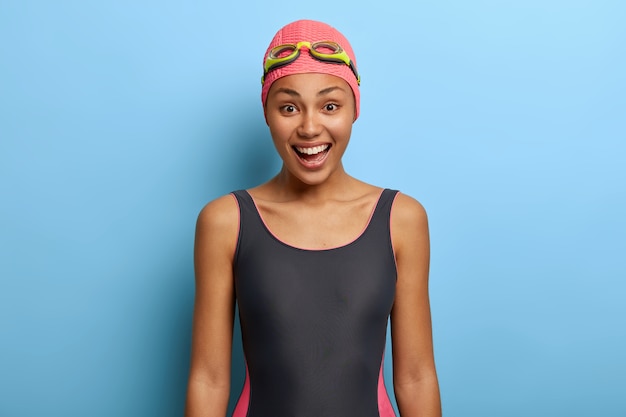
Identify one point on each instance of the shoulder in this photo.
(409, 222)
(219, 220)
(221, 212)
(407, 211)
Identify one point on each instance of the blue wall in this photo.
(120, 120)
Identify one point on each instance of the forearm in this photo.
(206, 400)
(419, 398)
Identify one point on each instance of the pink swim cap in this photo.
(311, 31)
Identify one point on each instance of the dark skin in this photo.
(312, 111)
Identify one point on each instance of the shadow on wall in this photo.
(237, 154)
(237, 368)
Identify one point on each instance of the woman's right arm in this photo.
(209, 377)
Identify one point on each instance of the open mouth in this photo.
(313, 154)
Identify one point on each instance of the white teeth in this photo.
(312, 151)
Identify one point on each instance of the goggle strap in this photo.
(329, 59)
(342, 62)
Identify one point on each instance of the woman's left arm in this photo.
(414, 375)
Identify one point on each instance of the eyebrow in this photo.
(329, 90)
(289, 91)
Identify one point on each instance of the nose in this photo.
(310, 125)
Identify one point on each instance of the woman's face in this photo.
(310, 118)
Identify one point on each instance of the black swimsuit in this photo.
(314, 322)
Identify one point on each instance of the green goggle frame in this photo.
(338, 56)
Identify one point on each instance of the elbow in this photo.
(415, 375)
(213, 380)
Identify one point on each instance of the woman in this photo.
(316, 259)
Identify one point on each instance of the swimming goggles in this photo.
(326, 51)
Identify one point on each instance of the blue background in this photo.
(120, 120)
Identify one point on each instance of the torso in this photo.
(314, 310)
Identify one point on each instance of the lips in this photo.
(312, 156)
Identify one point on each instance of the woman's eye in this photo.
(289, 108)
(330, 107)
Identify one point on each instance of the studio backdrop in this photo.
(120, 120)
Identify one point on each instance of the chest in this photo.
(284, 284)
(317, 227)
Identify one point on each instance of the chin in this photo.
(313, 178)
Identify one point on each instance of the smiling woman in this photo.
(310, 118)
(317, 261)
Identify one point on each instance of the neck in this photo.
(336, 186)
